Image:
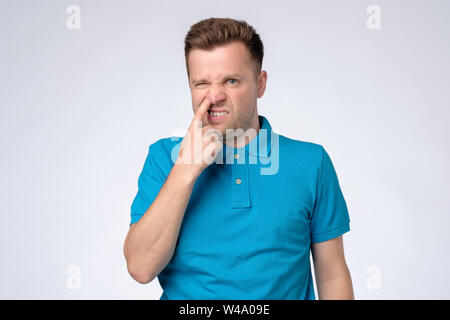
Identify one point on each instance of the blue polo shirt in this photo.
(251, 219)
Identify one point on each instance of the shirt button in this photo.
(236, 156)
(238, 181)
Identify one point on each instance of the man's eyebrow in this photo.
(232, 75)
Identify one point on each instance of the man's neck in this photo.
(245, 137)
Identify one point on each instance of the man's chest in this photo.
(240, 212)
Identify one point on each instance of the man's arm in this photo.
(332, 275)
(150, 243)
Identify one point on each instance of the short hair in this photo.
(213, 32)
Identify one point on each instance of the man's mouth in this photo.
(217, 115)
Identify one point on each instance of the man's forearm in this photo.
(338, 288)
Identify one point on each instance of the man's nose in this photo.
(216, 94)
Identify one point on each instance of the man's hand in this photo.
(201, 144)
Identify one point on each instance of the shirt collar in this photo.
(258, 147)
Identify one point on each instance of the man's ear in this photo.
(262, 80)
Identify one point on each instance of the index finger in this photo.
(202, 109)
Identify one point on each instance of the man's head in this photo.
(224, 61)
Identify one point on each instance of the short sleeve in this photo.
(150, 182)
(330, 216)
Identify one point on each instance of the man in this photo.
(213, 229)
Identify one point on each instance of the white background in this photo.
(79, 109)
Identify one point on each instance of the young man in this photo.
(241, 222)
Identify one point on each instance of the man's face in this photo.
(225, 75)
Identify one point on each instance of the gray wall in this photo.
(79, 108)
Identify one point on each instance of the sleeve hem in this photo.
(135, 218)
(324, 236)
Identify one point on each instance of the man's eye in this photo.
(199, 84)
(235, 81)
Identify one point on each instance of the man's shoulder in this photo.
(165, 150)
(166, 145)
(300, 148)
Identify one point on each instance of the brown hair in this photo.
(213, 32)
